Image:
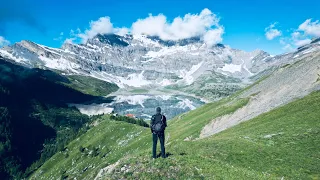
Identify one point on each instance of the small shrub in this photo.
(81, 149)
(95, 152)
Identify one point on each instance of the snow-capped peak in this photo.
(140, 60)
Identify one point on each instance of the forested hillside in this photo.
(35, 121)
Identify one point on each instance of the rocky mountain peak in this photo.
(180, 42)
(315, 40)
(110, 39)
(140, 60)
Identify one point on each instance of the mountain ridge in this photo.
(142, 41)
(147, 61)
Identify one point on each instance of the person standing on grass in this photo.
(158, 125)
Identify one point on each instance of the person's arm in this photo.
(165, 121)
(151, 123)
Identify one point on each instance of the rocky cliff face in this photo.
(290, 82)
(139, 61)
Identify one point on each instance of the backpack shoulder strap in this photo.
(161, 118)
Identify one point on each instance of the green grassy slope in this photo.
(111, 140)
(114, 135)
(282, 143)
(89, 85)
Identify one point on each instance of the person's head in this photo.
(158, 110)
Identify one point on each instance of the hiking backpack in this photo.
(158, 126)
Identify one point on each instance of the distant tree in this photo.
(130, 120)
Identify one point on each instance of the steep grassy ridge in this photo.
(89, 85)
(280, 143)
(115, 140)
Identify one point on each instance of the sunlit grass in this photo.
(283, 143)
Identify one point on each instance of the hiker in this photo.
(158, 125)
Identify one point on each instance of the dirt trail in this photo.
(282, 87)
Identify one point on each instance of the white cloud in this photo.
(103, 26)
(69, 40)
(295, 40)
(302, 42)
(3, 41)
(272, 32)
(310, 28)
(213, 36)
(121, 31)
(299, 39)
(296, 35)
(72, 33)
(300, 36)
(60, 37)
(282, 41)
(73, 36)
(152, 25)
(288, 47)
(205, 25)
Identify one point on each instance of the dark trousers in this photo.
(154, 148)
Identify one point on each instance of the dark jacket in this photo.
(157, 117)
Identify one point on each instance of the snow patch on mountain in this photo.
(231, 68)
(185, 103)
(135, 80)
(166, 51)
(145, 41)
(166, 82)
(245, 68)
(187, 75)
(10, 56)
(147, 61)
(69, 52)
(93, 109)
(60, 64)
(133, 100)
(164, 97)
(309, 51)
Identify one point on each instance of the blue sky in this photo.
(244, 23)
